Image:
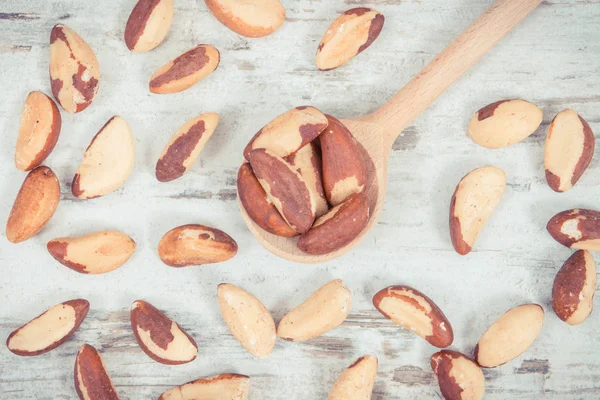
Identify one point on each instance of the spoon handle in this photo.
(449, 65)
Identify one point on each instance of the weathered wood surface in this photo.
(552, 59)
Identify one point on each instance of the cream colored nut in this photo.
(148, 24)
(574, 287)
(107, 162)
(459, 377)
(285, 188)
(248, 320)
(307, 162)
(351, 33)
(35, 204)
(48, 330)
(251, 18)
(416, 312)
(504, 123)
(510, 336)
(570, 147)
(74, 70)
(324, 310)
(577, 229)
(38, 132)
(220, 387)
(161, 338)
(289, 132)
(356, 382)
(185, 146)
(195, 245)
(340, 226)
(91, 379)
(473, 202)
(258, 206)
(186, 70)
(344, 168)
(95, 253)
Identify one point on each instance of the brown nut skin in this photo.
(95, 253)
(356, 382)
(574, 287)
(324, 310)
(91, 379)
(289, 132)
(107, 162)
(35, 204)
(344, 168)
(577, 228)
(307, 161)
(38, 132)
(285, 188)
(338, 227)
(74, 70)
(248, 320)
(504, 123)
(510, 336)
(219, 387)
(161, 338)
(185, 146)
(459, 377)
(416, 312)
(186, 70)
(250, 18)
(476, 197)
(570, 145)
(48, 330)
(259, 208)
(148, 24)
(195, 245)
(349, 35)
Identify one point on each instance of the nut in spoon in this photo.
(377, 131)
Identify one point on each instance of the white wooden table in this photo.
(552, 59)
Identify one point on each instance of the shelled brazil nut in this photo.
(510, 336)
(349, 35)
(324, 310)
(74, 70)
(38, 131)
(574, 287)
(248, 320)
(476, 197)
(94, 253)
(251, 18)
(148, 24)
(570, 145)
(35, 204)
(195, 244)
(577, 228)
(48, 330)
(185, 146)
(92, 381)
(504, 123)
(185, 70)
(413, 310)
(223, 386)
(107, 162)
(161, 338)
(459, 377)
(356, 382)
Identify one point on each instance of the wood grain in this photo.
(552, 59)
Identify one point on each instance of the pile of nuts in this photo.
(289, 181)
(303, 175)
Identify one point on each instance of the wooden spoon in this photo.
(377, 131)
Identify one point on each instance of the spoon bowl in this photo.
(377, 132)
